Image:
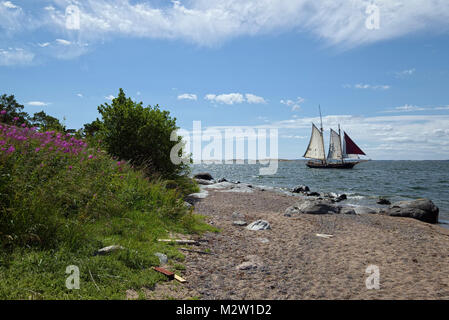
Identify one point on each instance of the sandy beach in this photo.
(289, 261)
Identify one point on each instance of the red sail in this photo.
(351, 147)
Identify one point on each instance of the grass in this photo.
(61, 201)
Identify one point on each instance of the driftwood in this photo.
(196, 251)
(179, 241)
(324, 235)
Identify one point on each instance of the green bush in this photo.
(140, 135)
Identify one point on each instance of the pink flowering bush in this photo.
(52, 185)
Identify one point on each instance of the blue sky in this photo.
(242, 63)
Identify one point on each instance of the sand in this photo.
(291, 262)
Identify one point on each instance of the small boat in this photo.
(338, 156)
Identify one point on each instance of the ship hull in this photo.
(321, 165)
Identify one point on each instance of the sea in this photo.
(363, 185)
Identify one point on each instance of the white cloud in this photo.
(405, 73)
(229, 98)
(80, 95)
(63, 42)
(43, 45)
(37, 103)
(109, 97)
(211, 22)
(9, 4)
(251, 98)
(187, 96)
(294, 104)
(17, 56)
(412, 108)
(409, 136)
(369, 86)
(407, 108)
(234, 98)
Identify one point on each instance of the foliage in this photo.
(140, 135)
(61, 200)
(46, 122)
(11, 111)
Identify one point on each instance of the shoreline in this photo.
(204, 185)
(289, 260)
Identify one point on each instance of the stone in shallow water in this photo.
(300, 189)
(203, 175)
(383, 201)
(259, 225)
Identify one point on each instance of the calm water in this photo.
(394, 180)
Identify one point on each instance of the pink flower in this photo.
(3, 112)
(11, 149)
(23, 125)
(70, 167)
(90, 156)
(15, 119)
(37, 149)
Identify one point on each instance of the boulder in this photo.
(222, 180)
(259, 225)
(421, 209)
(300, 189)
(312, 194)
(203, 176)
(383, 201)
(347, 210)
(204, 181)
(365, 210)
(340, 197)
(335, 197)
(162, 258)
(312, 207)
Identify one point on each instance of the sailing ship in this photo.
(339, 154)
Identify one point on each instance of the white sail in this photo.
(335, 152)
(315, 150)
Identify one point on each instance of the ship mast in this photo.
(339, 139)
(322, 132)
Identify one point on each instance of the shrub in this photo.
(140, 135)
(52, 183)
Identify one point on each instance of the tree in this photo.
(91, 129)
(11, 110)
(140, 134)
(46, 122)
